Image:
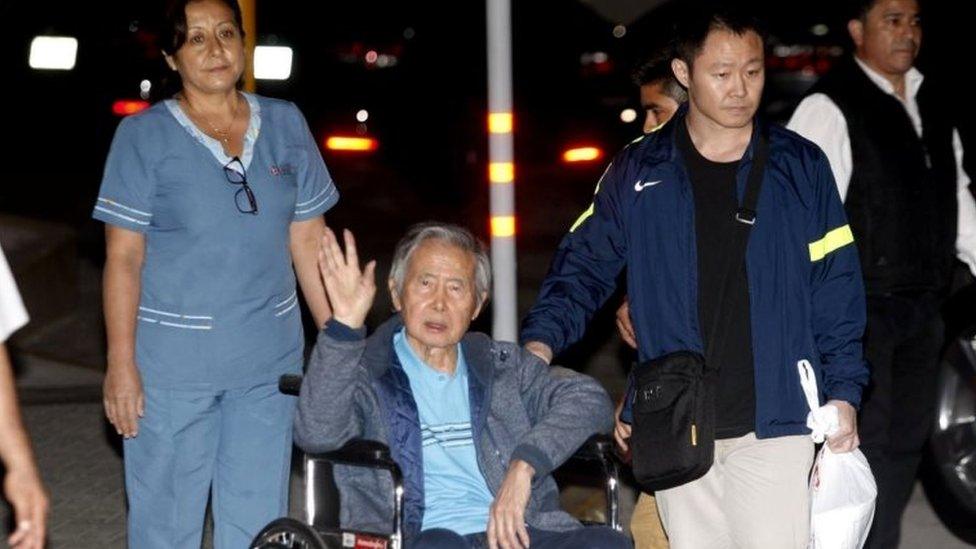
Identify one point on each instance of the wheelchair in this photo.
(318, 530)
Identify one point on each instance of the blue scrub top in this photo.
(218, 304)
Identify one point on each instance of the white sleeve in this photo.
(820, 120)
(12, 312)
(966, 235)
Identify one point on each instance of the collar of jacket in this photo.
(662, 145)
(380, 355)
(384, 366)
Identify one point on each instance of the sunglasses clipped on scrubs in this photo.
(235, 173)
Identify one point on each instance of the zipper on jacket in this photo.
(481, 466)
(485, 411)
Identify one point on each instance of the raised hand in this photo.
(350, 290)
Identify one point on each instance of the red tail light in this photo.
(125, 107)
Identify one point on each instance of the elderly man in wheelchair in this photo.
(476, 426)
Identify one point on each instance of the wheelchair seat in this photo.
(315, 533)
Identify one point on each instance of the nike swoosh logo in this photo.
(640, 185)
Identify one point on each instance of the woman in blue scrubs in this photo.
(213, 203)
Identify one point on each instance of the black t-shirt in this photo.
(714, 187)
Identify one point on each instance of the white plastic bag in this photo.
(842, 494)
(842, 487)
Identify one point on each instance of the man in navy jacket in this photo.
(664, 210)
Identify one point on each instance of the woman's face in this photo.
(212, 58)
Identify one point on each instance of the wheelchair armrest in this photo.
(290, 384)
(361, 453)
(599, 449)
(596, 448)
(355, 453)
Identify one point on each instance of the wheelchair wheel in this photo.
(287, 533)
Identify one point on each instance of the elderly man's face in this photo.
(440, 297)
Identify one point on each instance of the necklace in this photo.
(222, 135)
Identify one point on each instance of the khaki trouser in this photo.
(645, 525)
(755, 496)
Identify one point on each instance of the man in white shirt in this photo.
(896, 158)
(22, 484)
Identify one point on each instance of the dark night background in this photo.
(428, 113)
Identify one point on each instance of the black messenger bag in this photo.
(673, 431)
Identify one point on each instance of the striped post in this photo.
(501, 170)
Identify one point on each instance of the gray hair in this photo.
(449, 234)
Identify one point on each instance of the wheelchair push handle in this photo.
(363, 452)
(290, 384)
(596, 448)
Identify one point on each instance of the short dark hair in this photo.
(172, 35)
(693, 28)
(858, 9)
(657, 68)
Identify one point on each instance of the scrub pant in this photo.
(237, 442)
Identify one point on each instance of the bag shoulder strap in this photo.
(745, 218)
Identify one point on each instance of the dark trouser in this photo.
(903, 341)
(590, 537)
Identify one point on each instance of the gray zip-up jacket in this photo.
(521, 408)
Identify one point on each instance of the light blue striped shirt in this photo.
(456, 496)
